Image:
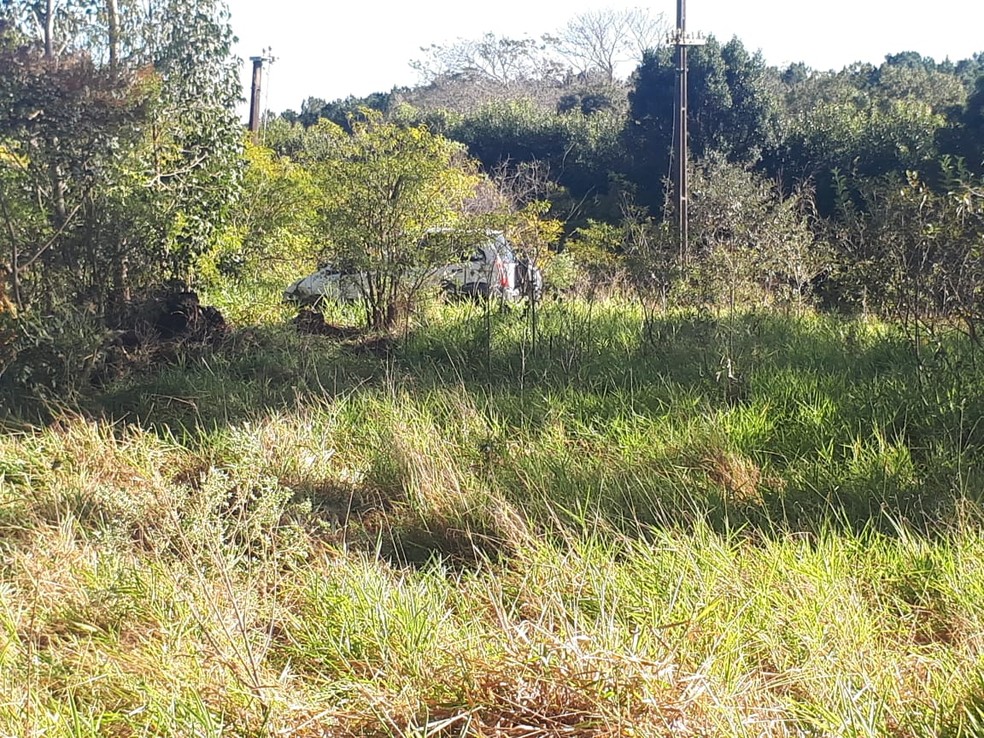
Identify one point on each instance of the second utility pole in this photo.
(682, 41)
(254, 97)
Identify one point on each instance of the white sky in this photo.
(334, 49)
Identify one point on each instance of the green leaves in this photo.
(125, 148)
(383, 188)
(733, 109)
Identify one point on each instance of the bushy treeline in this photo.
(793, 124)
(859, 188)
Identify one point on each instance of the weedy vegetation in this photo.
(680, 524)
(683, 495)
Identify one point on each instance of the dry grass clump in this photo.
(103, 474)
(547, 687)
(739, 477)
(439, 506)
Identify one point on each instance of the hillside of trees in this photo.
(861, 186)
(123, 168)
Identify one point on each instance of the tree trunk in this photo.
(58, 191)
(49, 30)
(57, 183)
(113, 20)
(14, 273)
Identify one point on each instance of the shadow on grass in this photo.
(257, 372)
(754, 420)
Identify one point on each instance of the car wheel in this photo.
(475, 291)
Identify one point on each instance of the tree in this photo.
(272, 227)
(60, 131)
(965, 139)
(973, 122)
(196, 138)
(751, 239)
(605, 40)
(733, 110)
(469, 73)
(388, 193)
(124, 144)
(580, 150)
(941, 91)
(863, 121)
(498, 60)
(311, 111)
(339, 111)
(913, 252)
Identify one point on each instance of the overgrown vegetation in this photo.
(733, 490)
(120, 153)
(296, 534)
(389, 200)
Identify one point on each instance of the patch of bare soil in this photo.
(158, 329)
(313, 323)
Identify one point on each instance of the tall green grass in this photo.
(746, 524)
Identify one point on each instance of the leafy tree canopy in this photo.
(121, 116)
(733, 105)
(383, 189)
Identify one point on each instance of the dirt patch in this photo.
(164, 325)
(313, 323)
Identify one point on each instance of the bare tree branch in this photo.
(604, 41)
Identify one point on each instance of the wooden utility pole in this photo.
(113, 21)
(681, 40)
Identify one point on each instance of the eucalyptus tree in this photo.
(121, 146)
(468, 73)
(495, 59)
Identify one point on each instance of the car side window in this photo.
(478, 256)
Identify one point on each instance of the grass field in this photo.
(724, 525)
